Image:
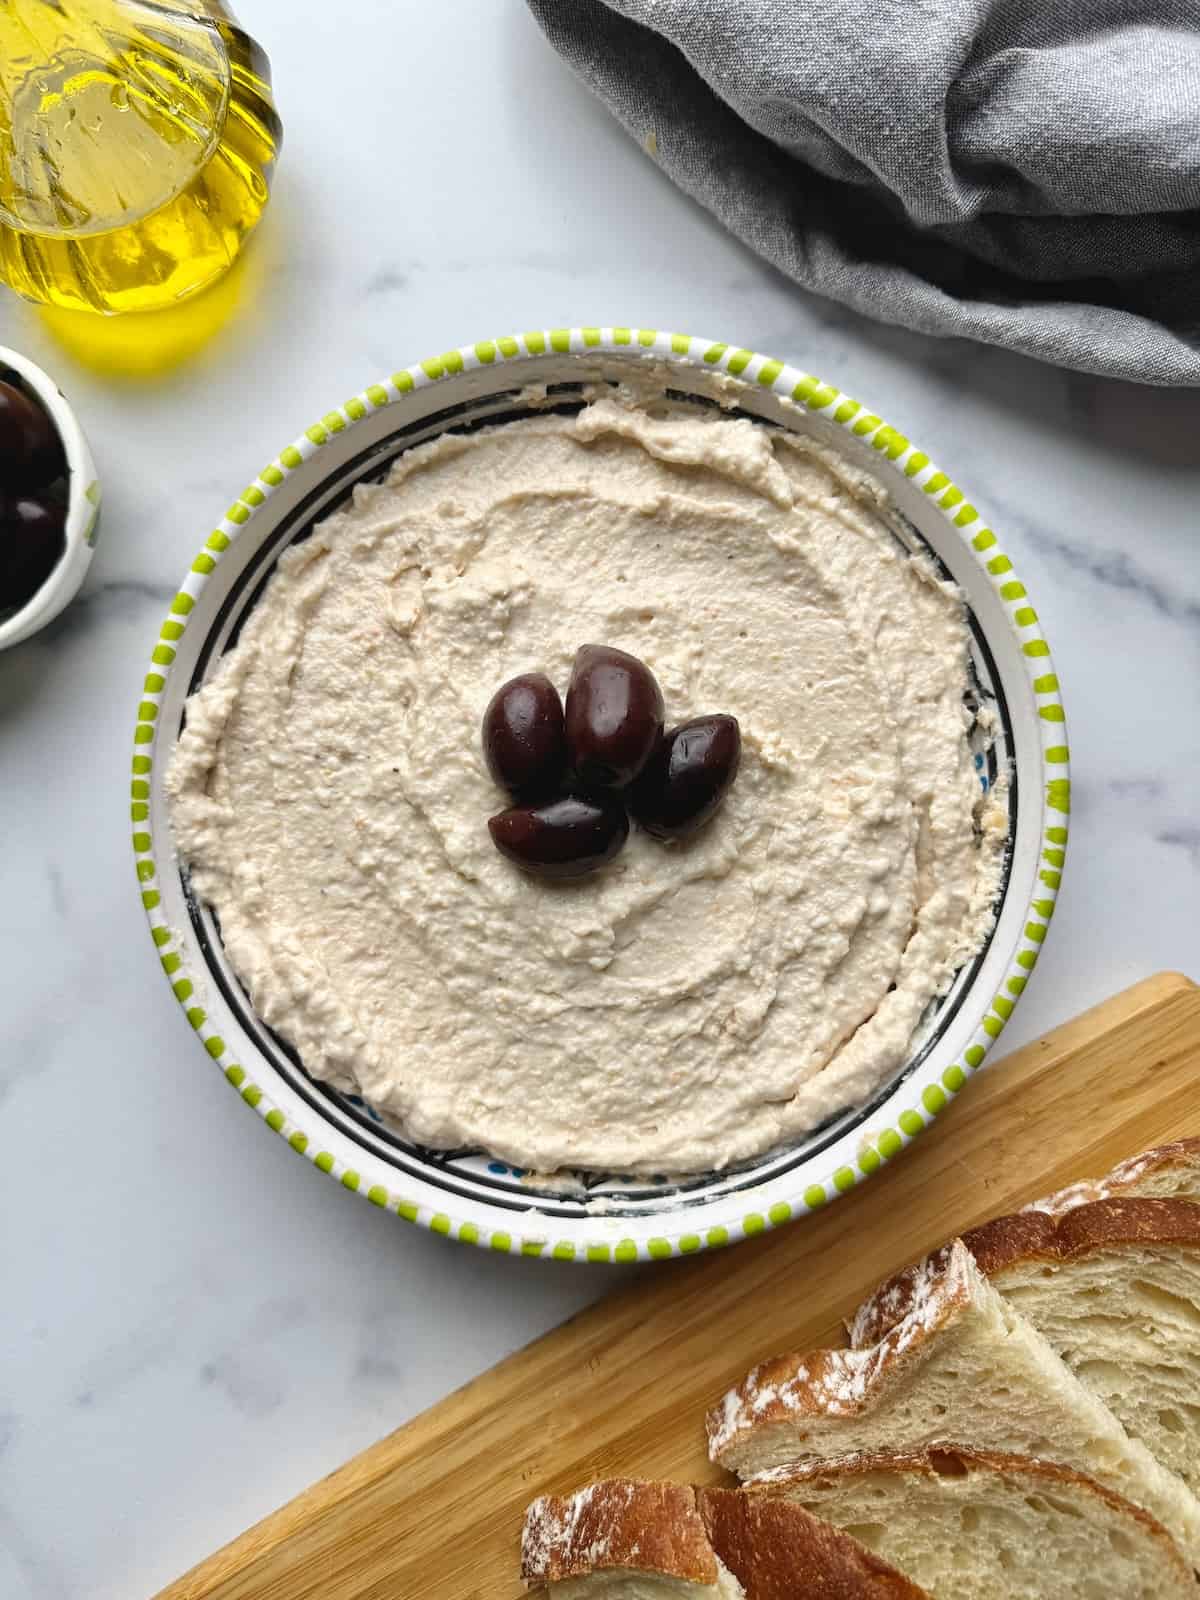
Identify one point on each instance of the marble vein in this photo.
(1184, 837)
(1116, 569)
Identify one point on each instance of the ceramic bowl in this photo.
(468, 1195)
(83, 507)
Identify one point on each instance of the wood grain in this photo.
(435, 1509)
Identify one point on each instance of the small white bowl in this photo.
(83, 507)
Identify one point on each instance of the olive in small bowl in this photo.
(48, 532)
(33, 538)
(31, 452)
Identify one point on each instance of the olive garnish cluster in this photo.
(578, 773)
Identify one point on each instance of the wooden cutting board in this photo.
(433, 1512)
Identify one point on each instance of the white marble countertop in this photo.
(196, 1324)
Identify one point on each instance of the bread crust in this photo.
(618, 1523)
(783, 1557)
(1098, 1225)
(845, 1382)
(1027, 1236)
(1125, 1176)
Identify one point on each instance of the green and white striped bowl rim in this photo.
(676, 1229)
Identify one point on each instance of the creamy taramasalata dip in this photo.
(688, 1006)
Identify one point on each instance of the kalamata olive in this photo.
(614, 716)
(524, 743)
(567, 838)
(687, 777)
(32, 540)
(31, 452)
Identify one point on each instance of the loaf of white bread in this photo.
(1109, 1272)
(959, 1366)
(963, 1523)
(1018, 1415)
(622, 1539)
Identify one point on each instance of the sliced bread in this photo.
(1114, 1286)
(981, 1525)
(622, 1539)
(960, 1365)
(1167, 1172)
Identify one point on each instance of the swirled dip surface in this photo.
(689, 1006)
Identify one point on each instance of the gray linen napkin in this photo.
(1024, 172)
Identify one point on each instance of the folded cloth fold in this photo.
(1022, 172)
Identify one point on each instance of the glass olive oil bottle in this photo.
(137, 141)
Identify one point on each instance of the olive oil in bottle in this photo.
(137, 141)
